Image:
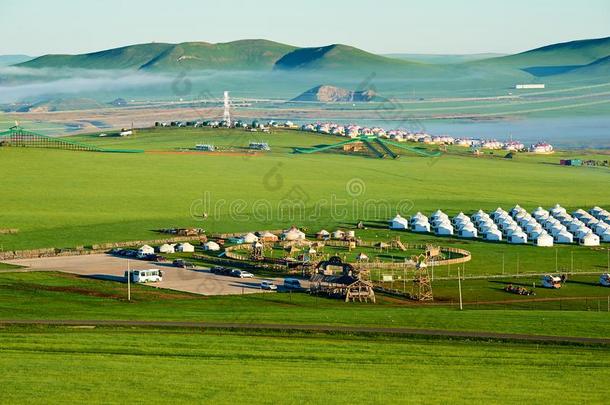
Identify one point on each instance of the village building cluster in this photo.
(401, 135)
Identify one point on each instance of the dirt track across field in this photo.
(319, 328)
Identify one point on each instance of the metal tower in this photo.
(227, 113)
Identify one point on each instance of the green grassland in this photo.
(157, 366)
(66, 199)
(57, 296)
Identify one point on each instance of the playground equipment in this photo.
(380, 147)
(18, 137)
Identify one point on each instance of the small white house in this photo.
(517, 238)
(493, 235)
(589, 239)
(185, 248)
(145, 250)
(211, 246)
(167, 248)
(444, 229)
(399, 222)
(544, 240)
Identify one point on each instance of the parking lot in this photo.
(198, 280)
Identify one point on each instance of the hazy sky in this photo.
(383, 26)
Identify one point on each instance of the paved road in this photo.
(198, 281)
(319, 328)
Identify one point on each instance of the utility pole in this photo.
(128, 281)
(460, 289)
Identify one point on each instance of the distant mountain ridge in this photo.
(264, 55)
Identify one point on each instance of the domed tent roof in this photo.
(250, 238)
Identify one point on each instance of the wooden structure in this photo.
(336, 279)
(258, 252)
(422, 285)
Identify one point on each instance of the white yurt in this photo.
(498, 211)
(557, 228)
(167, 248)
(438, 214)
(517, 238)
(590, 222)
(462, 222)
(535, 233)
(268, 237)
(421, 226)
(469, 231)
(579, 213)
(419, 216)
(338, 234)
(605, 236)
(581, 232)
(444, 229)
(324, 234)
(532, 226)
(596, 211)
(250, 238)
(399, 222)
(589, 239)
(211, 246)
(487, 226)
(544, 240)
(563, 237)
(493, 235)
(557, 210)
(293, 234)
(575, 225)
(510, 229)
(515, 210)
(185, 248)
(540, 213)
(146, 250)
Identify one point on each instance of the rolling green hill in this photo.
(339, 57)
(562, 54)
(246, 54)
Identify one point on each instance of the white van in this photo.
(145, 276)
(292, 283)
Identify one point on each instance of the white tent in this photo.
(338, 234)
(418, 217)
(292, 234)
(532, 226)
(596, 211)
(557, 209)
(556, 228)
(185, 248)
(323, 234)
(145, 250)
(250, 238)
(534, 234)
(581, 232)
(268, 237)
(579, 213)
(518, 237)
(211, 246)
(564, 237)
(399, 223)
(510, 229)
(605, 237)
(468, 232)
(515, 210)
(544, 240)
(167, 248)
(487, 226)
(444, 229)
(600, 228)
(421, 226)
(575, 225)
(493, 235)
(438, 214)
(540, 213)
(589, 239)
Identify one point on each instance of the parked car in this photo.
(292, 283)
(220, 270)
(183, 264)
(268, 285)
(242, 274)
